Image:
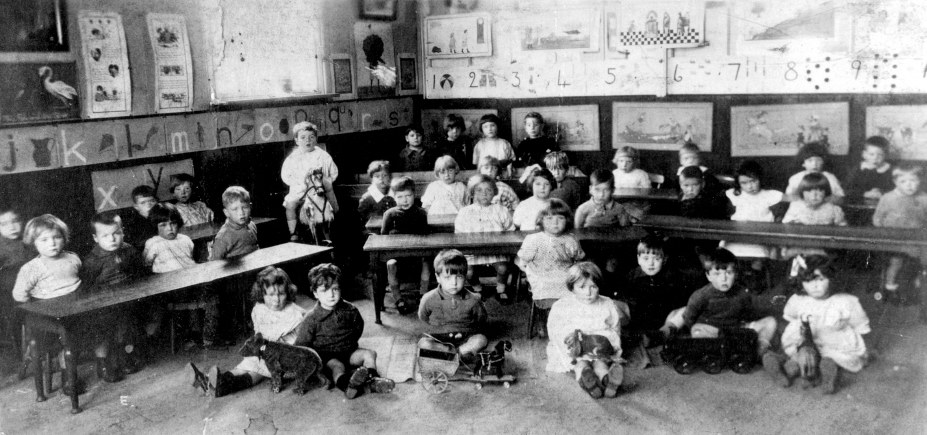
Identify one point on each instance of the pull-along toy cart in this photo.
(438, 368)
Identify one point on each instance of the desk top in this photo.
(815, 236)
(652, 194)
(157, 284)
(443, 221)
(507, 242)
(210, 229)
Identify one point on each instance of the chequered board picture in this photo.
(690, 36)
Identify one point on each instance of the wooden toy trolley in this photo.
(438, 368)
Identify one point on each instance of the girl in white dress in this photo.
(542, 183)
(484, 216)
(446, 195)
(837, 322)
(275, 316)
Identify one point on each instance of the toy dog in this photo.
(283, 359)
(595, 346)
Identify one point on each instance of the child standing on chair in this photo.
(275, 316)
(533, 149)
(415, 157)
(446, 194)
(903, 207)
(491, 144)
(812, 157)
(192, 212)
(456, 316)
(483, 216)
(558, 163)
(490, 167)
(238, 235)
(306, 159)
(332, 328)
(378, 198)
(542, 182)
(405, 218)
(593, 315)
(547, 256)
(837, 325)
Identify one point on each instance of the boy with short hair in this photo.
(697, 202)
(533, 149)
(238, 235)
(405, 218)
(558, 163)
(138, 229)
(602, 210)
(332, 328)
(13, 255)
(306, 159)
(377, 199)
(456, 315)
(903, 207)
(873, 177)
(691, 156)
(723, 303)
(415, 157)
(652, 291)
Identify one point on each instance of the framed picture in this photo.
(378, 9)
(781, 129)
(903, 126)
(376, 67)
(765, 27)
(462, 35)
(34, 26)
(407, 80)
(38, 91)
(343, 81)
(655, 23)
(575, 128)
(562, 29)
(661, 126)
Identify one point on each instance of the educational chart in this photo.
(665, 23)
(173, 67)
(376, 60)
(575, 128)
(39, 91)
(106, 62)
(765, 26)
(889, 26)
(113, 189)
(450, 36)
(661, 126)
(276, 53)
(780, 130)
(905, 127)
(433, 122)
(28, 149)
(560, 29)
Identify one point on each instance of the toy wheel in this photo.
(712, 365)
(434, 382)
(478, 386)
(507, 384)
(684, 366)
(742, 367)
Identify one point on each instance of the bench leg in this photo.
(35, 353)
(71, 362)
(377, 292)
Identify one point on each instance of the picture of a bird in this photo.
(58, 89)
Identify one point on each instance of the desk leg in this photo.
(38, 373)
(922, 288)
(377, 293)
(71, 361)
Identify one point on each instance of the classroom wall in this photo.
(68, 193)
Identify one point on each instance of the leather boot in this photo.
(225, 383)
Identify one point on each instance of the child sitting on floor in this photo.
(415, 157)
(483, 216)
(873, 178)
(558, 163)
(454, 142)
(542, 183)
(332, 328)
(306, 159)
(594, 316)
(533, 149)
(405, 218)
(192, 213)
(811, 157)
(378, 198)
(903, 207)
(455, 315)
(444, 195)
(837, 324)
(722, 303)
(490, 167)
(548, 254)
(275, 316)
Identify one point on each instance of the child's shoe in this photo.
(379, 385)
(613, 379)
(829, 375)
(199, 379)
(590, 383)
(225, 383)
(772, 363)
(356, 383)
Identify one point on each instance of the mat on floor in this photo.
(395, 356)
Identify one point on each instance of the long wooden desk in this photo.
(62, 315)
(385, 247)
(646, 194)
(443, 223)
(906, 241)
(209, 230)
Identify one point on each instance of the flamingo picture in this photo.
(58, 89)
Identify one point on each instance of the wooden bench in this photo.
(385, 247)
(62, 315)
